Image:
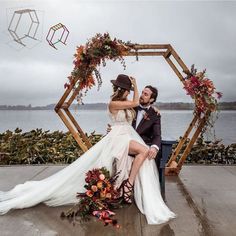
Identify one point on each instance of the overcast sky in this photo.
(203, 33)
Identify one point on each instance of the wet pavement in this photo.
(203, 197)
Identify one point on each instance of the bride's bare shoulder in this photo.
(111, 110)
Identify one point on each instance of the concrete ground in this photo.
(203, 197)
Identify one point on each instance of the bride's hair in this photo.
(118, 95)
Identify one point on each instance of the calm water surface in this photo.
(174, 123)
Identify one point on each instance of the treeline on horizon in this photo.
(103, 106)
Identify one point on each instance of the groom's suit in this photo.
(149, 129)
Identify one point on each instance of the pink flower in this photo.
(94, 188)
(101, 176)
(108, 195)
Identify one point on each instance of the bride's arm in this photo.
(119, 105)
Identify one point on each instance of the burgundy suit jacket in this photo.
(149, 127)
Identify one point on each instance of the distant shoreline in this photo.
(103, 106)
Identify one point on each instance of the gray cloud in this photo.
(202, 33)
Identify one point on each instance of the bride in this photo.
(138, 176)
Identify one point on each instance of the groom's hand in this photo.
(156, 110)
(152, 152)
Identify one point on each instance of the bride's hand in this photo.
(133, 80)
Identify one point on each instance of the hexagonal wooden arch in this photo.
(172, 58)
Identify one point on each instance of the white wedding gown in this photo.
(111, 152)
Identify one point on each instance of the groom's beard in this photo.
(144, 104)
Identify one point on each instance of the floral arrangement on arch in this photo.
(87, 58)
(101, 47)
(202, 90)
(98, 200)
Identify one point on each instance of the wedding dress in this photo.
(111, 152)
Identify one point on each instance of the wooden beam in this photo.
(167, 54)
(65, 105)
(82, 134)
(174, 68)
(73, 96)
(65, 95)
(63, 98)
(175, 153)
(151, 46)
(137, 53)
(72, 130)
(179, 60)
(192, 141)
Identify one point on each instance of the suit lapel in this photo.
(140, 126)
(135, 118)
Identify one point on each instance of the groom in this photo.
(147, 122)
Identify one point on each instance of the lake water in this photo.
(174, 123)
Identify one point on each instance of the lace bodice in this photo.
(120, 117)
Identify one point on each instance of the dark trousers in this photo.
(161, 160)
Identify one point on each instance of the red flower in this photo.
(145, 115)
(89, 193)
(66, 85)
(202, 90)
(194, 81)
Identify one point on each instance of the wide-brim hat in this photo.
(123, 81)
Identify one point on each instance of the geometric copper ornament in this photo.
(51, 34)
(180, 69)
(16, 23)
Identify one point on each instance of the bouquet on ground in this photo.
(98, 200)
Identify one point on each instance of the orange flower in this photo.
(99, 184)
(108, 184)
(102, 194)
(80, 50)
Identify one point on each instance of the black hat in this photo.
(123, 81)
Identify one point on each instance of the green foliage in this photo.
(40, 147)
(209, 152)
(45, 147)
